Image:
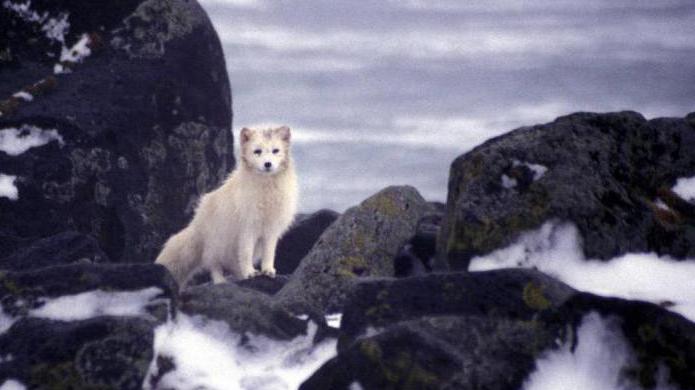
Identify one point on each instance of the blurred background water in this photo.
(390, 92)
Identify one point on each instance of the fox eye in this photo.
(276, 151)
(257, 152)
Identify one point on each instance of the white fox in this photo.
(241, 221)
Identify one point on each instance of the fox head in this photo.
(265, 151)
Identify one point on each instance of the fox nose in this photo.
(267, 165)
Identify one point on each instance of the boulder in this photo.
(244, 310)
(488, 330)
(450, 352)
(511, 293)
(89, 290)
(361, 243)
(63, 248)
(128, 108)
(98, 353)
(603, 172)
(300, 238)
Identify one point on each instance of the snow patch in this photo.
(207, 354)
(6, 321)
(78, 52)
(24, 96)
(15, 141)
(333, 320)
(96, 303)
(596, 363)
(60, 69)
(54, 28)
(508, 182)
(555, 249)
(8, 189)
(537, 169)
(12, 384)
(356, 386)
(7, 358)
(685, 188)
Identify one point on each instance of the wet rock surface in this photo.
(148, 110)
(603, 172)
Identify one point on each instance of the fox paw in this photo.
(270, 272)
(250, 274)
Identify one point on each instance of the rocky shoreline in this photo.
(109, 162)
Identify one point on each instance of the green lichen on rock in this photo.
(61, 376)
(371, 350)
(534, 298)
(146, 31)
(361, 243)
(351, 266)
(401, 371)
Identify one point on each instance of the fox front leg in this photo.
(268, 259)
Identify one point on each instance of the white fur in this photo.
(241, 221)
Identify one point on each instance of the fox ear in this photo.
(284, 132)
(245, 135)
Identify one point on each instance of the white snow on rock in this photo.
(538, 170)
(24, 96)
(6, 321)
(15, 141)
(355, 386)
(555, 249)
(60, 69)
(596, 363)
(207, 354)
(78, 52)
(685, 188)
(7, 187)
(97, 303)
(12, 384)
(333, 320)
(508, 182)
(6, 358)
(55, 28)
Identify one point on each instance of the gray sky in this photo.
(389, 92)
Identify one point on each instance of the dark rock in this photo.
(245, 310)
(512, 293)
(99, 353)
(417, 255)
(264, 283)
(362, 242)
(486, 330)
(64, 248)
(261, 283)
(604, 172)
(439, 353)
(407, 263)
(21, 292)
(300, 238)
(145, 122)
(662, 342)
